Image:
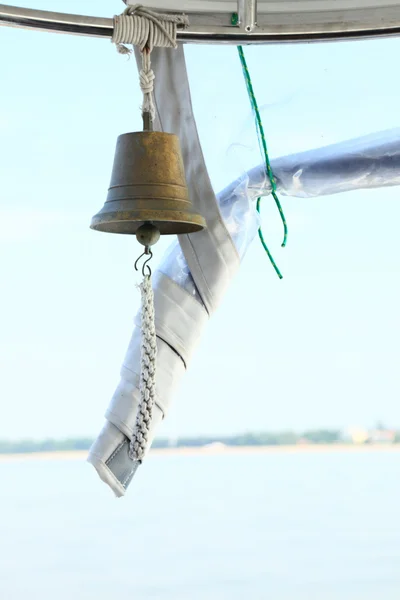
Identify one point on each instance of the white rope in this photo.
(144, 416)
(145, 28)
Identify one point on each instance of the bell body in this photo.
(148, 185)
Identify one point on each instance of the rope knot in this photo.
(146, 81)
(147, 29)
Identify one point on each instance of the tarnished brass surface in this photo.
(148, 185)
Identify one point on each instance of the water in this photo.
(282, 526)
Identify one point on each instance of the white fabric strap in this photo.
(179, 320)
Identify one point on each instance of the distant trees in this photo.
(261, 439)
(283, 438)
(49, 445)
(323, 436)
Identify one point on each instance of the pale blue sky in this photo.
(319, 348)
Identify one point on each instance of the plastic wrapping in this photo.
(368, 162)
(371, 161)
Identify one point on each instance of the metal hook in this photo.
(147, 252)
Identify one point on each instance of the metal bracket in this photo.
(247, 13)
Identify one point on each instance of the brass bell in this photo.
(148, 185)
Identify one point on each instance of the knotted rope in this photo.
(147, 29)
(148, 357)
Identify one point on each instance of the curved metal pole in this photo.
(217, 27)
(44, 20)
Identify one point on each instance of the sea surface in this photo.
(298, 526)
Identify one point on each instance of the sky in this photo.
(319, 348)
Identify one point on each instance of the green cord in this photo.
(264, 245)
(261, 136)
(260, 131)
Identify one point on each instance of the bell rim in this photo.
(105, 222)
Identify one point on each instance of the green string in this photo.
(263, 142)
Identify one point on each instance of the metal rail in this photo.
(276, 26)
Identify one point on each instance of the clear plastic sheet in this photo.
(368, 162)
(372, 161)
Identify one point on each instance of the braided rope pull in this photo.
(140, 437)
(147, 235)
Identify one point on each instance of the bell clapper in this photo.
(147, 235)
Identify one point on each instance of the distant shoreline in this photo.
(214, 450)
